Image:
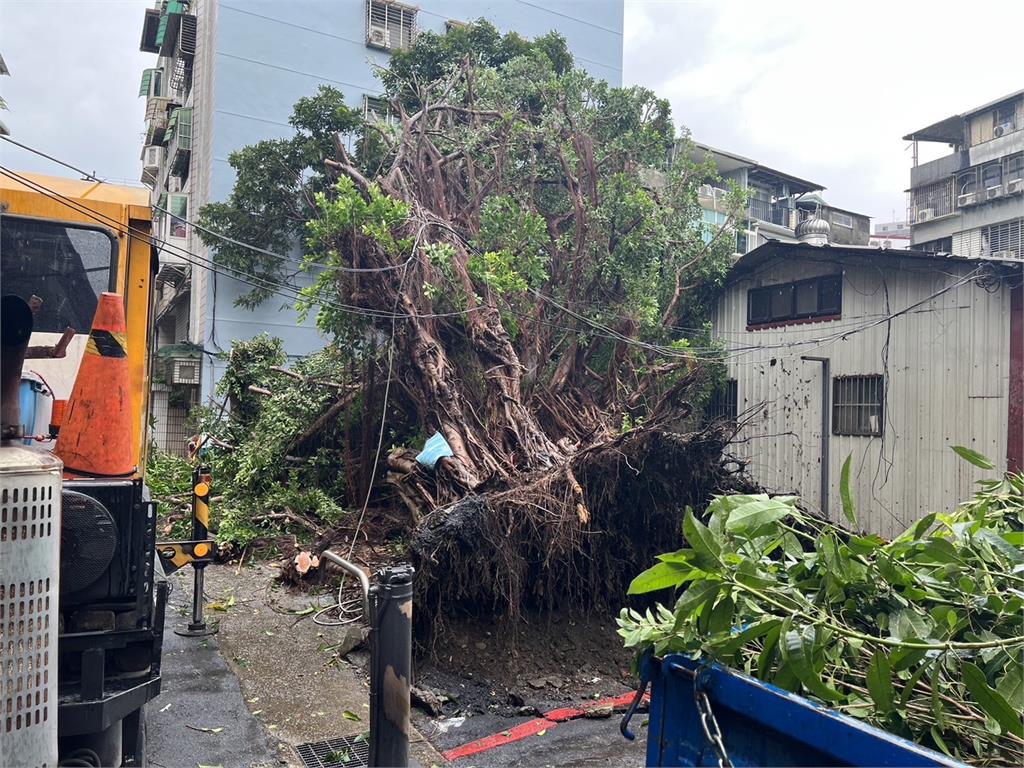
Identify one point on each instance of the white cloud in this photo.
(823, 91)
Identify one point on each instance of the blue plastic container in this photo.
(434, 449)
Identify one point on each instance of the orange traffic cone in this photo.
(95, 437)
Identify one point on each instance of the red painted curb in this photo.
(533, 727)
(518, 733)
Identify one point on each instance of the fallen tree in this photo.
(507, 258)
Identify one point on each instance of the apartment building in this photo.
(777, 202)
(970, 202)
(226, 75)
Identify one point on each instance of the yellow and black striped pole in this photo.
(201, 546)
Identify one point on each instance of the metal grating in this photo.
(346, 752)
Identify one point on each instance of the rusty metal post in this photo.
(390, 667)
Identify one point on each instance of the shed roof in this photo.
(728, 161)
(950, 129)
(774, 249)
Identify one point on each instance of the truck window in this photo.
(66, 265)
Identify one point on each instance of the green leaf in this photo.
(865, 545)
(695, 595)
(972, 457)
(879, 679)
(702, 541)
(937, 738)
(660, 576)
(844, 492)
(905, 658)
(908, 624)
(797, 651)
(908, 687)
(679, 556)
(922, 525)
(348, 714)
(754, 515)
(721, 616)
(990, 700)
(1013, 554)
(1011, 684)
(768, 653)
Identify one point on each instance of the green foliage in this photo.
(921, 635)
(270, 203)
(248, 363)
(169, 479)
(271, 465)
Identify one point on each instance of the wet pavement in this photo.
(199, 691)
(581, 741)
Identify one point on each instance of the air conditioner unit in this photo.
(1014, 185)
(183, 370)
(1004, 255)
(153, 158)
(996, 191)
(968, 198)
(1002, 130)
(379, 37)
(925, 214)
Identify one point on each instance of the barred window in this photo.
(723, 405)
(857, 405)
(389, 25)
(376, 108)
(1003, 239)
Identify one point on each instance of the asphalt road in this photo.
(199, 691)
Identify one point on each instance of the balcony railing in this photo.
(772, 213)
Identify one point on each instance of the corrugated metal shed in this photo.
(936, 329)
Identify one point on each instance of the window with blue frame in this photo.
(713, 221)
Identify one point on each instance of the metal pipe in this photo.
(352, 570)
(391, 667)
(825, 427)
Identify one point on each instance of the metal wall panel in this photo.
(946, 366)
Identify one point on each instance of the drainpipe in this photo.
(825, 428)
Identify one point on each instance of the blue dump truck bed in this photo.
(760, 725)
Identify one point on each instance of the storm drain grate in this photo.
(346, 752)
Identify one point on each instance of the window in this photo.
(966, 186)
(817, 297)
(842, 220)
(150, 85)
(857, 405)
(1015, 167)
(723, 403)
(992, 175)
(178, 226)
(67, 265)
(376, 108)
(1003, 239)
(389, 25)
(1004, 117)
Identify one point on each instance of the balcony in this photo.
(770, 213)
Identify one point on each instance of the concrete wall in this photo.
(262, 56)
(947, 368)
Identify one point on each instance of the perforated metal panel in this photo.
(30, 483)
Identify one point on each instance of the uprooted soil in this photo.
(477, 667)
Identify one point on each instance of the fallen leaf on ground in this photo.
(214, 731)
(348, 714)
(542, 732)
(257, 712)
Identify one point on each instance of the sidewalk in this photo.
(272, 667)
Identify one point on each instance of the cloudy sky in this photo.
(821, 90)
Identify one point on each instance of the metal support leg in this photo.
(391, 667)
